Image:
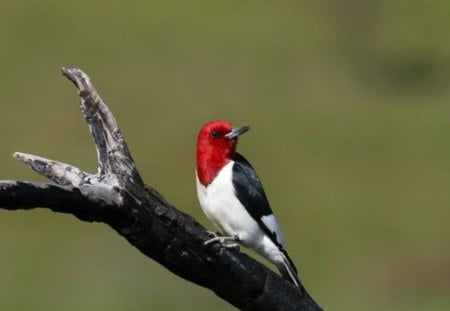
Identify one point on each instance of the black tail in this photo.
(289, 273)
(288, 270)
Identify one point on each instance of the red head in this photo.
(216, 145)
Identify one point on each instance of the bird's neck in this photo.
(210, 162)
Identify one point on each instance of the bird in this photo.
(232, 197)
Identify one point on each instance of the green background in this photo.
(350, 114)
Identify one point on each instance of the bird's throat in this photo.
(209, 165)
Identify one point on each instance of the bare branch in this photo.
(117, 196)
(112, 151)
(61, 173)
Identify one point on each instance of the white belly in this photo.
(223, 208)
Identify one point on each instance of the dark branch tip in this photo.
(69, 73)
(77, 76)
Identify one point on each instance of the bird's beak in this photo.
(236, 131)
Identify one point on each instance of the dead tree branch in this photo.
(117, 196)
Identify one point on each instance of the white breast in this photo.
(222, 207)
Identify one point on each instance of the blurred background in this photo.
(349, 107)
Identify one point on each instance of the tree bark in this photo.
(117, 196)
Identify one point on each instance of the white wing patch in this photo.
(271, 223)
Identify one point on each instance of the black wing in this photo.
(251, 194)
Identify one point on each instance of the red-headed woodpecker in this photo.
(232, 197)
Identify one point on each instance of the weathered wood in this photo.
(117, 196)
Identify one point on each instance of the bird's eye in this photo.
(215, 134)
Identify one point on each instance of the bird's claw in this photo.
(233, 246)
(225, 241)
(212, 234)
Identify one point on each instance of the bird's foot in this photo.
(225, 241)
(213, 234)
